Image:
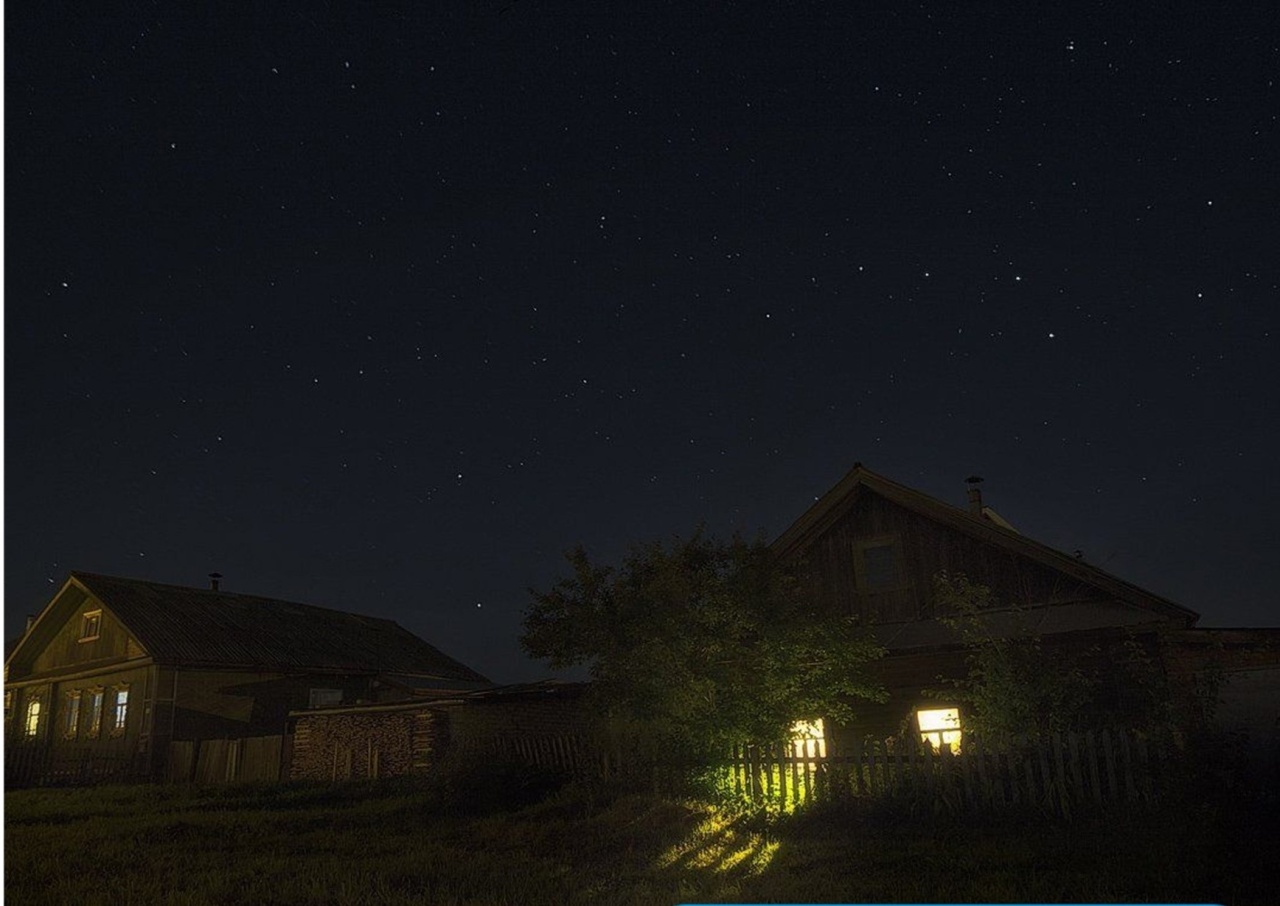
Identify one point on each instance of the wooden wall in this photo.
(66, 649)
(924, 549)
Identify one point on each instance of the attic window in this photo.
(90, 625)
(879, 566)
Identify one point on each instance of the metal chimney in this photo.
(975, 495)
(213, 581)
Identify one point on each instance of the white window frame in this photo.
(90, 619)
(120, 710)
(71, 716)
(31, 729)
(97, 700)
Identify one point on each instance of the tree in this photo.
(700, 643)
(1018, 685)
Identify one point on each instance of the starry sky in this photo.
(384, 306)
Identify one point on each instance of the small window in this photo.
(325, 698)
(940, 727)
(121, 714)
(95, 712)
(33, 718)
(90, 625)
(8, 703)
(71, 716)
(880, 567)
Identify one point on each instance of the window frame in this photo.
(71, 714)
(119, 714)
(943, 729)
(91, 622)
(31, 723)
(312, 696)
(892, 603)
(97, 701)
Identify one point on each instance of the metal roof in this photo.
(200, 626)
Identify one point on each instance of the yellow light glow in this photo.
(809, 738)
(940, 727)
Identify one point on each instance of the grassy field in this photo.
(398, 844)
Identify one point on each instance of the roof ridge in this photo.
(82, 574)
(827, 508)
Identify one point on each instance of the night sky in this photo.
(384, 307)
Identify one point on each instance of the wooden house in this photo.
(872, 548)
(122, 677)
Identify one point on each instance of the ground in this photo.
(399, 844)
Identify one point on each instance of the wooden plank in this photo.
(1130, 788)
(1046, 774)
(1108, 750)
(1144, 768)
(1091, 753)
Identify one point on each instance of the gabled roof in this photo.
(860, 480)
(192, 626)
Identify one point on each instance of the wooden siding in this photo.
(228, 704)
(57, 748)
(66, 649)
(925, 549)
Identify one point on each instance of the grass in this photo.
(396, 843)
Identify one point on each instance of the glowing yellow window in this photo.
(940, 727)
(33, 717)
(808, 738)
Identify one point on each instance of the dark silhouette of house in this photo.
(872, 548)
(121, 676)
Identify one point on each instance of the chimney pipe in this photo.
(213, 581)
(31, 621)
(975, 495)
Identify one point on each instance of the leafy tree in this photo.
(700, 643)
(1018, 685)
(1014, 685)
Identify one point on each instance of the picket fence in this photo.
(1060, 773)
(27, 766)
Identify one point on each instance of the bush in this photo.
(481, 785)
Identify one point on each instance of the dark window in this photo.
(90, 625)
(325, 698)
(880, 569)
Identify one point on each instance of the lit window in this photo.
(809, 739)
(90, 625)
(33, 717)
(71, 717)
(8, 703)
(325, 698)
(95, 711)
(122, 710)
(940, 727)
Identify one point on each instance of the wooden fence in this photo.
(28, 766)
(1058, 773)
(254, 758)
